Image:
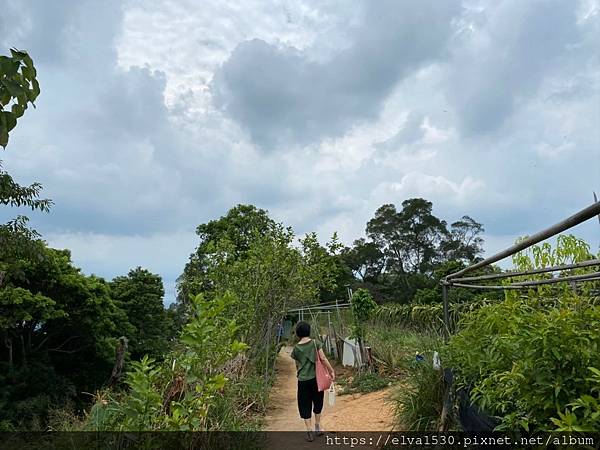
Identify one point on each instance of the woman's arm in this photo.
(327, 365)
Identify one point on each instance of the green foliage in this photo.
(366, 259)
(395, 345)
(413, 240)
(583, 414)
(265, 270)
(178, 394)
(363, 307)
(28, 392)
(430, 316)
(59, 329)
(242, 405)
(406, 249)
(140, 294)
(527, 358)
(18, 88)
(230, 237)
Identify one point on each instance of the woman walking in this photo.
(309, 397)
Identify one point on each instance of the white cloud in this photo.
(415, 184)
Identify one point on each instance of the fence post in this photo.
(446, 313)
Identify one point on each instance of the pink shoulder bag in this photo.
(323, 378)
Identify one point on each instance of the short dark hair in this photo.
(302, 329)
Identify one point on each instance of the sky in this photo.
(155, 117)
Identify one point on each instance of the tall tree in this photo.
(238, 227)
(464, 242)
(140, 294)
(410, 238)
(365, 259)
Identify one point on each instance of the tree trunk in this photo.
(24, 355)
(117, 371)
(9, 346)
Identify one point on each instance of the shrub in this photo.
(179, 393)
(525, 362)
(527, 359)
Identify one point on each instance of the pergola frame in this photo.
(456, 279)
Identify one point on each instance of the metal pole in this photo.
(583, 215)
(527, 284)
(495, 276)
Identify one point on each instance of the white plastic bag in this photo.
(331, 394)
(437, 365)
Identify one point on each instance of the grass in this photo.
(394, 347)
(364, 383)
(242, 405)
(419, 400)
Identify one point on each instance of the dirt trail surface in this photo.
(359, 412)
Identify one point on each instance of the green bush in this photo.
(528, 363)
(584, 413)
(179, 393)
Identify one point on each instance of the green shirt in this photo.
(305, 357)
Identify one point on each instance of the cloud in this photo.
(282, 96)
(507, 50)
(411, 132)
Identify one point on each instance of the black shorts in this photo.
(309, 398)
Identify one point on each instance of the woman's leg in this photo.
(317, 401)
(305, 403)
(308, 424)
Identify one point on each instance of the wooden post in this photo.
(446, 312)
(268, 350)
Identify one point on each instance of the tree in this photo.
(328, 267)
(140, 294)
(363, 307)
(410, 238)
(265, 269)
(59, 329)
(238, 227)
(464, 242)
(365, 259)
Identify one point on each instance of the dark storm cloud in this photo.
(515, 46)
(411, 132)
(280, 95)
(100, 140)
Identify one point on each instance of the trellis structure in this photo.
(457, 279)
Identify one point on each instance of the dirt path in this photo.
(360, 412)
